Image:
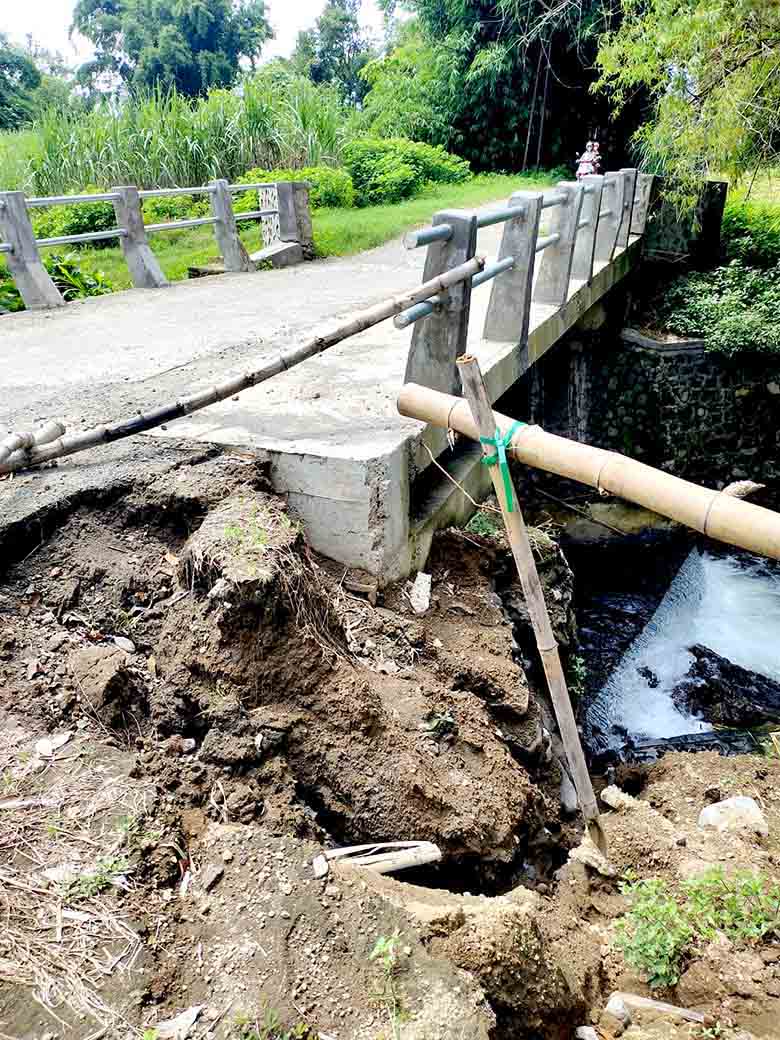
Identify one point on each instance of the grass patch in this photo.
(337, 232)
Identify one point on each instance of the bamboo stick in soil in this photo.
(517, 533)
(26, 452)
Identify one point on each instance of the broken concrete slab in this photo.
(278, 254)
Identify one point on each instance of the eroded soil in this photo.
(221, 705)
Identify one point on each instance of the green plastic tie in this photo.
(499, 459)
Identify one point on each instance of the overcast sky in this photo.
(48, 21)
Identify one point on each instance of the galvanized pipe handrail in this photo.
(547, 240)
(250, 187)
(422, 310)
(70, 200)
(255, 214)
(606, 213)
(555, 198)
(174, 225)
(586, 222)
(87, 236)
(161, 193)
(500, 216)
(6, 247)
(426, 236)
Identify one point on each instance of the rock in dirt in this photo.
(420, 596)
(102, 677)
(739, 813)
(725, 693)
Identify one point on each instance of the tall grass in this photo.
(165, 140)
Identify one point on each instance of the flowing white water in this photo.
(730, 604)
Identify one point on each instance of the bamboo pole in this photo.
(365, 319)
(481, 409)
(712, 513)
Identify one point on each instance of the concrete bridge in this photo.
(358, 473)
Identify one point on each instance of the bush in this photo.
(175, 207)
(663, 930)
(78, 219)
(733, 308)
(67, 275)
(391, 169)
(327, 186)
(751, 233)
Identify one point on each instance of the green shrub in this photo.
(390, 169)
(663, 930)
(175, 207)
(328, 186)
(751, 233)
(55, 221)
(72, 282)
(733, 308)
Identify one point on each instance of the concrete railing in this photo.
(589, 221)
(284, 213)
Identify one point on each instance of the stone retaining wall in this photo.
(674, 405)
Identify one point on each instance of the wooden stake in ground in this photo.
(517, 533)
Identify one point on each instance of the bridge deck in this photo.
(335, 437)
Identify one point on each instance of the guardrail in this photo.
(284, 213)
(589, 220)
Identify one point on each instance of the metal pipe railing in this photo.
(87, 236)
(555, 198)
(71, 200)
(500, 216)
(583, 223)
(6, 247)
(175, 225)
(547, 240)
(426, 236)
(162, 193)
(255, 214)
(249, 187)
(606, 213)
(422, 310)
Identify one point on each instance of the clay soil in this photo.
(194, 706)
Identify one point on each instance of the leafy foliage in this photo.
(191, 46)
(735, 308)
(751, 233)
(391, 169)
(335, 50)
(76, 220)
(662, 930)
(270, 1027)
(710, 70)
(174, 207)
(163, 139)
(18, 80)
(73, 282)
(328, 186)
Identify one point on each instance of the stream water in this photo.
(727, 602)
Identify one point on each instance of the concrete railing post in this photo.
(141, 261)
(552, 282)
(642, 199)
(24, 261)
(295, 215)
(629, 187)
(509, 310)
(439, 339)
(230, 245)
(585, 245)
(609, 218)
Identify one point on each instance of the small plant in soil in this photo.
(486, 524)
(270, 1027)
(385, 955)
(97, 880)
(440, 724)
(663, 930)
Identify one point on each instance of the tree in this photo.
(18, 80)
(512, 79)
(335, 50)
(191, 45)
(712, 71)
